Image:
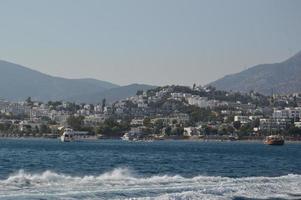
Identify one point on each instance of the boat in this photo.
(68, 135)
(136, 137)
(232, 137)
(134, 134)
(274, 140)
(126, 137)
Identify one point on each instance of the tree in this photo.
(168, 130)
(236, 124)
(147, 122)
(159, 123)
(177, 131)
(91, 107)
(36, 129)
(174, 121)
(139, 92)
(295, 131)
(103, 105)
(246, 128)
(112, 128)
(29, 101)
(54, 104)
(45, 118)
(44, 129)
(210, 130)
(230, 129)
(158, 126)
(75, 122)
(256, 123)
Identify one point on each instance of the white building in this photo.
(93, 120)
(297, 124)
(137, 122)
(273, 124)
(190, 131)
(242, 119)
(291, 113)
(246, 119)
(201, 102)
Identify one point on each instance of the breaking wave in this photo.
(122, 183)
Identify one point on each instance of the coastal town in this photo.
(169, 112)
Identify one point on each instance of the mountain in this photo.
(112, 94)
(279, 78)
(18, 82)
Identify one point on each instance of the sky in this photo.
(156, 42)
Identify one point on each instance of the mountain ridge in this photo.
(280, 78)
(112, 94)
(18, 82)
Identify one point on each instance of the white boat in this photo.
(274, 140)
(133, 135)
(68, 135)
(71, 135)
(125, 137)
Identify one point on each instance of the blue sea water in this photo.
(115, 169)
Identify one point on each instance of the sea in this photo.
(115, 169)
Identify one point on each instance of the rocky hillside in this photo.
(281, 78)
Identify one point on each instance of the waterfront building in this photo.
(274, 124)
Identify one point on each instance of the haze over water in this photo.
(113, 169)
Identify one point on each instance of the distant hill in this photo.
(113, 94)
(18, 82)
(280, 78)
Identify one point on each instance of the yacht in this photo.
(274, 140)
(68, 135)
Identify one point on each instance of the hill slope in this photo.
(281, 78)
(18, 82)
(112, 94)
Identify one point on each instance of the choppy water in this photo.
(48, 169)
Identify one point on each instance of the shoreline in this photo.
(165, 139)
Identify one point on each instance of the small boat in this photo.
(67, 135)
(232, 138)
(126, 137)
(274, 140)
(135, 134)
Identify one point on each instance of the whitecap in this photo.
(122, 183)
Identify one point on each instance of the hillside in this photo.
(18, 82)
(280, 78)
(112, 94)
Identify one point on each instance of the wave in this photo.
(122, 183)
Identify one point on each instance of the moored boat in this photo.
(233, 137)
(70, 135)
(67, 135)
(126, 137)
(134, 134)
(274, 140)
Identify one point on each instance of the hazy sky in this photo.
(148, 41)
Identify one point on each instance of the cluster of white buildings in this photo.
(202, 102)
(291, 113)
(280, 119)
(7, 108)
(246, 119)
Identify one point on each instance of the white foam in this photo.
(121, 183)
